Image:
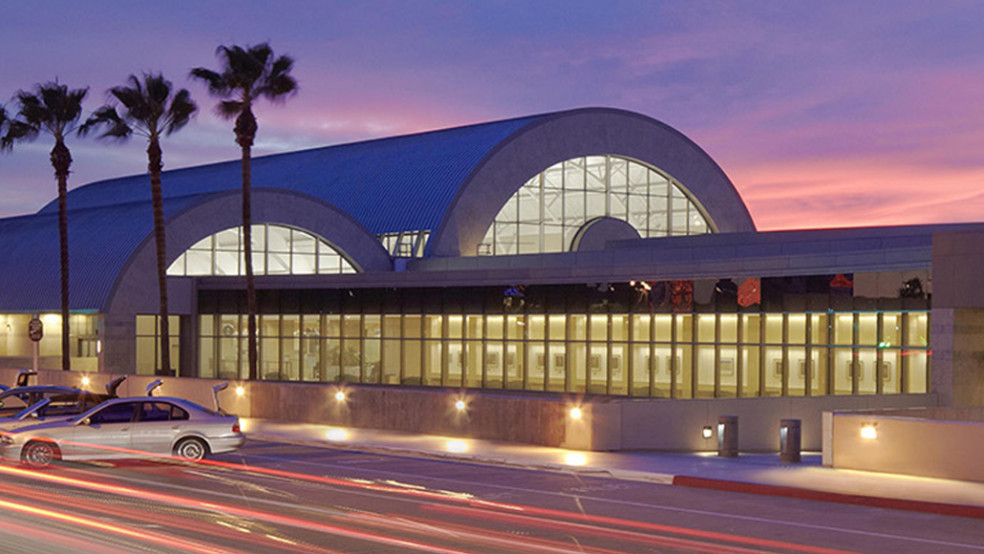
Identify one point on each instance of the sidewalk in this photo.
(749, 473)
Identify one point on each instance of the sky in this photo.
(823, 114)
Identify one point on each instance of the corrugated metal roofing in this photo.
(100, 241)
(396, 184)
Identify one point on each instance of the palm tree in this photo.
(148, 108)
(3, 127)
(248, 74)
(53, 109)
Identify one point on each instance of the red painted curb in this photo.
(823, 496)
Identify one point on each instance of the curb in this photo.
(960, 510)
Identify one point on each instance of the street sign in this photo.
(35, 329)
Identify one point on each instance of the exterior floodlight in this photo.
(240, 390)
(707, 432)
(575, 459)
(576, 413)
(340, 396)
(460, 405)
(85, 381)
(869, 431)
(336, 435)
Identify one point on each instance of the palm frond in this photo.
(229, 109)
(215, 82)
(51, 107)
(107, 118)
(179, 112)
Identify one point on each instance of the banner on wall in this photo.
(750, 292)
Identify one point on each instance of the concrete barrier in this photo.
(912, 445)
(605, 423)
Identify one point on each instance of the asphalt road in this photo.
(281, 497)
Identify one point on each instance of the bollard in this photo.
(789, 440)
(727, 436)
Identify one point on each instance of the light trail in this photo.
(228, 509)
(652, 527)
(144, 536)
(154, 518)
(469, 501)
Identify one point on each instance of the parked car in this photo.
(23, 401)
(140, 427)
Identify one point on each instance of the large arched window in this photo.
(547, 212)
(277, 250)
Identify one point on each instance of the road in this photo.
(293, 498)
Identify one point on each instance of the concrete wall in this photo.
(606, 423)
(677, 424)
(909, 445)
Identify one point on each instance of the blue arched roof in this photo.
(100, 241)
(395, 184)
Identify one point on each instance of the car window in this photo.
(178, 413)
(14, 402)
(60, 408)
(155, 411)
(115, 413)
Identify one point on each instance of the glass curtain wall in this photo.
(149, 344)
(17, 349)
(707, 355)
(277, 250)
(547, 212)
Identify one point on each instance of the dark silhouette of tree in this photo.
(149, 109)
(246, 75)
(54, 109)
(4, 143)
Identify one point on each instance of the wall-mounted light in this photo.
(240, 390)
(576, 413)
(340, 396)
(869, 431)
(707, 432)
(85, 381)
(460, 405)
(456, 446)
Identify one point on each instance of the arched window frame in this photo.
(546, 213)
(277, 250)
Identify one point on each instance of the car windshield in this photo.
(11, 404)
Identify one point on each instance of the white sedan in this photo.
(126, 428)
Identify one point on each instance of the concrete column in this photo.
(957, 363)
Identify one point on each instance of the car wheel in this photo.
(40, 453)
(191, 449)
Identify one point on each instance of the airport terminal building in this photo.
(595, 254)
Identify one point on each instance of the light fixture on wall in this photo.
(707, 432)
(460, 405)
(240, 390)
(340, 396)
(576, 413)
(85, 381)
(869, 431)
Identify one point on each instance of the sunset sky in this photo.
(824, 114)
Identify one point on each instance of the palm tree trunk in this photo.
(61, 160)
(155, 165)
(245, 133)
